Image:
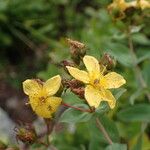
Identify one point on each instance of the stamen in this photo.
(103, 70)
(49, 108)
(42, 99)
(96, 81)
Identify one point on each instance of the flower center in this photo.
(96, 81)
(42, 99)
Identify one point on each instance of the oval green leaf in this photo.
(136, 113)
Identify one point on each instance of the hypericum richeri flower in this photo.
(41, 96)
(121, 5)
(143, 4)
(97, 83)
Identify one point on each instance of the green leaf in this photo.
(138, 145)
(121, 53)
(128, 131)
(110, 127)
(144, 57)
(139, 112)
(102, 108)
(71, 98)
(135, 95)
(140, 39)
(74, 116)
(116, 146)
(119, 92)
(146, 72)
(95, 145)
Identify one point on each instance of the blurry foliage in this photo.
(32, 37)
(29, 29)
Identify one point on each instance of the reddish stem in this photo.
(77, 108)
(42, 143)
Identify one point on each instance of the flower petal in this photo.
(49, 107)
(93, 96)
(113, 80)
(107, 96)
(33, 101)
(31, 87)
(78, 74)
(91, 64)
(52, 85)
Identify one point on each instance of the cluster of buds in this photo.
(120, 8)
(77, 50)
(26, 134)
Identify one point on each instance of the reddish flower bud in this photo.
(26, 134)
(77, 50)
(75, 86)
(108, 61)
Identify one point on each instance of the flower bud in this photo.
(65, 63)
(77, 50)
(108, 61)
(75, 86)
(79, 92)
(26, 134)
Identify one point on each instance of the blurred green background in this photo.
(33, 43)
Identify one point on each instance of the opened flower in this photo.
(97, 83)
(122, 5)
(41, 95)
(143, 4)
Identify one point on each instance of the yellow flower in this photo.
(41, 96)
(143, 4)
(97, 84)
(122, 5)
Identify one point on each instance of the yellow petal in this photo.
(31, 87)
(91, 64)
(78, 74)
(46, 109)
(107, 96)
(144, 4)
(92, 96)
(33, 101)
(52, 85)
(113, 80)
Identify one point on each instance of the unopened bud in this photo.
(77, 50)
(26, 134)
(79, 92)
(108, 61)
(65, 63)
(72, 83)
(75, 86)
(75, 44)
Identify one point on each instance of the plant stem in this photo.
(137, 69)
(49, 126)
(42, 143)
(102, 129)
(77, 108)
